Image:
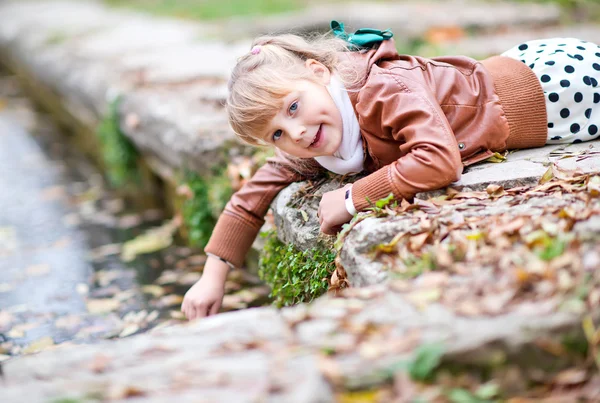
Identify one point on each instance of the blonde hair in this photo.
(264, 76)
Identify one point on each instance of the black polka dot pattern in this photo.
(569, 72)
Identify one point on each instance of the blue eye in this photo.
(294, 107)
(277, 135)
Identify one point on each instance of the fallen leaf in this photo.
(39, 345)
(304, 215)
(129, 330)
(496, 158)
(155, 290)
(547, 176)
(495, 190)
(177, 315)
(571, 376)
(6, 287)
(100, 363)
(118, 392)
(102, 305)
(151, 241)
(169, 300)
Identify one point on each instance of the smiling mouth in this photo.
(317, 137)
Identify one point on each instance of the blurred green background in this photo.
(214, 9)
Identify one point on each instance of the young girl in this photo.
(412, 123)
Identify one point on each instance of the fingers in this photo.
(214, 309)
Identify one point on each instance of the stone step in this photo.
(172, 82)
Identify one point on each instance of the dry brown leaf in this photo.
(571, 376)
(416, 242)
(495, 190)
(100, 363)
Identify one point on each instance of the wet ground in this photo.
(62, 231)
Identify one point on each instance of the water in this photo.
(62, 278)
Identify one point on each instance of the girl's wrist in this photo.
(216, 269)
(348, 201)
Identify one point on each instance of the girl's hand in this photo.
(205, 297)
(332, 211)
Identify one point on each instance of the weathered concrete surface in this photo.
(172, 81)
(293, 355)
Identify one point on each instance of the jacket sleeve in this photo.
(411, 117)
(243, 215)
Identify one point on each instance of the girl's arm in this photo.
(393, 114)
(390, 109)
(243, 215)
(235, 231)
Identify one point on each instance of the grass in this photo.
(209, 9)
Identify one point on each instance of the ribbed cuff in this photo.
(232, 238)
(522, 99)
(374, 187)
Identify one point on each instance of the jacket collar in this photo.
(363, 61)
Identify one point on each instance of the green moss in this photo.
(118, 153)
(208, 198)
(295, 276)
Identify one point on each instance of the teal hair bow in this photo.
(364, 37)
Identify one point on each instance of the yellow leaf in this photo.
(151, 241)
(103, 305)
(547, 177)
(588, 329)
(39, 345)
(360, 397)
(496, 158)
(156, 290)
(391, 246)
(304, 215)
(475, 236)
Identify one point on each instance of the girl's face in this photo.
(309, 123)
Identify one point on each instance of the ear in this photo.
(319, 70)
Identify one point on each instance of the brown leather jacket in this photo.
(422, 120)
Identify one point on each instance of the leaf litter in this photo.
(488, 253)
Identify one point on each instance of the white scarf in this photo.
(349, 156)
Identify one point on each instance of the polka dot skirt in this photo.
(569, 71)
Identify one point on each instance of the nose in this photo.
(296, 132)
